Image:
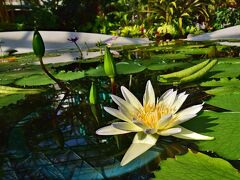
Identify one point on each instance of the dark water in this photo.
(43, 137)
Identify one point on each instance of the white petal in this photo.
(110, 130)
(149, 95)
(122, 103)
(182, 119)
(130, 98)
(127, 126)
(126, 112)
(191, 110)
(164, 95)
(139, 123)
(179, 101)
(163, 121)
(187, 134)
(170, 131)
(141, 143)
(169, 100)
(118, 114)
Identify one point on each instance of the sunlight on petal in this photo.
(122, 103)
(166, 94)
(149, 95)
(141, 143)
(187, 134)
(130, 98)
(110, 130)
(169, 100)
(127, 126)
(191, 110)
(170, 132)
(180, 120)
(180, 99)
(118, 114)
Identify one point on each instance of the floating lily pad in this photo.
(196, 166)
(171, 56)
(226, 70)
(224, 127)
(129, 67)
(166, 66)
(121, 68)
(35, 80)
(68, 76)
(10, 99)
(43, 79)
(194, 51)
(222, 82)
(223, 90)
(232, 60)
(98, 71)
(229, 101)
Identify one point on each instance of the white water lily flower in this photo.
(152, 119)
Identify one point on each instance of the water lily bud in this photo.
(93, 94)
(38, 44)
(109, 65)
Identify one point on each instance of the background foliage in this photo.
(141, 18)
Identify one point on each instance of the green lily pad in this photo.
(224, 127)
(98, 71)
(166, 66)
(223, 90)
(172, 56)
(43, 79)
(222, 82)
(226, 70)
(230, 101)
(196, 166)
(35, 80)
(69, 76)
(232, 60)
(129, 67)
(10, 99)
(121, 68)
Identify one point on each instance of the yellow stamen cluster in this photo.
(150, 115)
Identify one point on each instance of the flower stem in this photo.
(58, 81)
(113, 85)
(79, 49)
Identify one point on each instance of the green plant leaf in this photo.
(224, 127)
(129, 67)
(10, 99)
(69, 76)
(196, 166)
(121, 68)
(230, 101)
(223, 90)
(226, 70)
(166, 66)
(42, 79)
(35, 80)
(222, 82)
(98, 71)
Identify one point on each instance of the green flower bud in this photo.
(109, 65)
(93, 94)
(38, 44)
